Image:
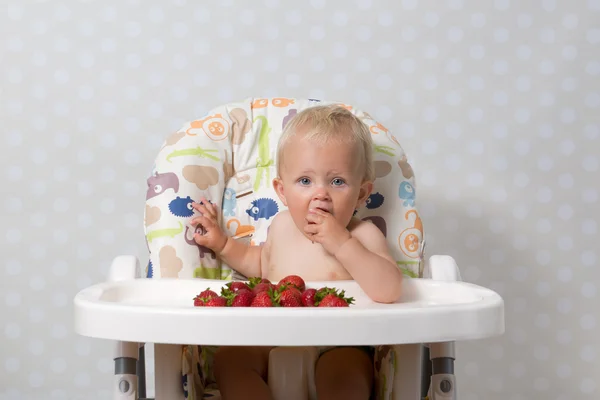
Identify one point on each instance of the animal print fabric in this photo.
(229, 157)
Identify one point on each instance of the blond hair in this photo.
(330, 122)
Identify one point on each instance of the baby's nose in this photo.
(321, 194)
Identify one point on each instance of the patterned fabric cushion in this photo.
(229, 157)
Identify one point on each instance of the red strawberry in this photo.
(252, 282)
(203, 297)
(262, 299)
(294, 280)
(308, 297)
(290, 297)
(242, 298)
(330, 298)
(262, 287)
(218, 301)
(235, 286)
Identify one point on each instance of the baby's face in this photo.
(328, 177)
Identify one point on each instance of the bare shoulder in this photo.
(370, 236)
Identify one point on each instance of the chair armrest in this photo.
(292, 373)
(124, 268)
(442, 268)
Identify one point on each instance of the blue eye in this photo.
(304, 181)
(338, 182)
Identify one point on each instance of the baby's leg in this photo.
(344, 373)
(241, 372)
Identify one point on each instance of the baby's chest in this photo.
(291, 255)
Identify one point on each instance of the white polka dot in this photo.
(36, 379)
(340, 18)
(37, 283)
(563, 371)
(364, 4)
(409, 4)
(473, 241)
(588, 258)
(363, 33)
(455, 4)
(547, 35)
(500, 67)
(12, 364)
(501, 35)
(292, 80)
(587, 386)
(518, 335)
(522, 115)
(588, 321)
(547, 99)
(58, 331)
(225, 30)
(520, 273)
(36, 315)
(340, 50)
(431, 19)
(565, 243)
(523, 52)
(541, 384)
(542, 289)
(564, 305)
(475, 179)
(430, 114)
(430, 51)
(60, 299)
(569, 53)
(477, 52)
(317, 33)
(542, 321)
(589, 195)
(544, 195)
(61, 205)
(472, 369)
(588, 353)
(453, 98)
(588, 290)
(13, 236)
(593, 36)
(82, 379)
(589, 227)
(58, 365)
(430, 82)
(84, 252)
(12, 330)
(385, 19)
(407, 65)
(36, 347)
(543, 257)
(590, 163)
(455, 34)
(15, 173)
(564, 337)
(82, 347)
(454, 66)
(523, 83)
(12, 298)
(518, 369)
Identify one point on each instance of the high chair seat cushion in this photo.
(229, 157)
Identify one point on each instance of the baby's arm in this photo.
(366, 257)
(241, 257)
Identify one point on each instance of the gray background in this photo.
(496, 103)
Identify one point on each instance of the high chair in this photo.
(228, 156)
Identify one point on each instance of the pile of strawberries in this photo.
(291, 291)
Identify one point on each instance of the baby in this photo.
(324, 172)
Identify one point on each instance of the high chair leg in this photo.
(167, 375)
(443, 381)
(126, 357)
(141, 371)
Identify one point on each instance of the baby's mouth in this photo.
(323, 209)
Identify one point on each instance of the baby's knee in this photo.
(230, 358)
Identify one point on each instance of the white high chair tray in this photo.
(162, 311)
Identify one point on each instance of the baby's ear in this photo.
(278, 186)
(363, 194)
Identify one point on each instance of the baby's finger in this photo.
(203, 210)
(209, 207)
(313, 218)
(207, 223)
(311, 228)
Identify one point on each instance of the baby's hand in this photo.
(214, 238)
(323, 228)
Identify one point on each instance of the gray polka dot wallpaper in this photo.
(496, 103)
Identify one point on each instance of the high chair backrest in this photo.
(229, 157)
